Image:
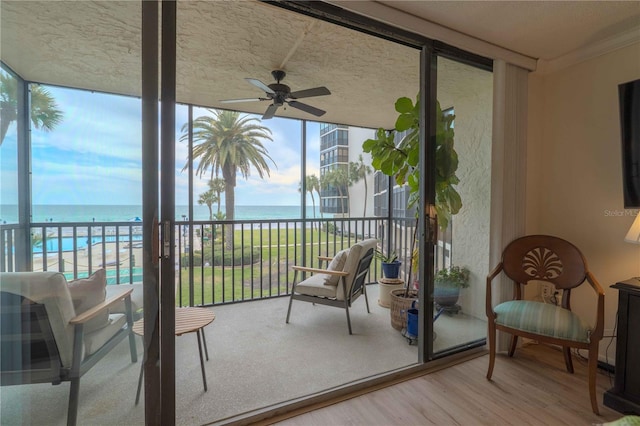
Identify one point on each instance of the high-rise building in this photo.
(341, 194)
(334, 168)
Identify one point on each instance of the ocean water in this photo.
(123, 213)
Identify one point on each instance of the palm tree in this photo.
(312, 184)
(217, 186)
(229, 143)
(359, 171)
(339, 179)
(208, 198)
(45, 114)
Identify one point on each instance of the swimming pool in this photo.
(79, 243)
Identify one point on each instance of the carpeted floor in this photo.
(256, 360)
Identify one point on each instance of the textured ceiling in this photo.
(96, 46)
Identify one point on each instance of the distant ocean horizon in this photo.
(124, 213)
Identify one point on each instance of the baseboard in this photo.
(606, 367)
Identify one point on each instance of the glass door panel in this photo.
(464, 95)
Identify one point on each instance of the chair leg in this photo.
(346, 308)
(72, 412)
(492, 348)
(293, 289)
(74, 392)
(132, 340)
(139, 382)
(593, 369)
(289, 310)
(514, 344)
(366, 299)
(566, 351)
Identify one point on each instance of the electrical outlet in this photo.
(559, 298)
(546, 290)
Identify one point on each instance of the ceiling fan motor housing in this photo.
(282, 92)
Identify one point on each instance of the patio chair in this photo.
(53, 332)
(556, 261)
(341, 283)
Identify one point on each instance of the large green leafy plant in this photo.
(401, 160)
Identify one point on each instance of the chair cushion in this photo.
(316, 285)
(87, 293)
(52, 290)
(137, 301)
(336, 264)
(96, 339)
(542, 319)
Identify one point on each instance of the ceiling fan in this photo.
(281, 93)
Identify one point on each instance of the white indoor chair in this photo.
(341, 283)
(53, 331)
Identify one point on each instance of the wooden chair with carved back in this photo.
(556, 261)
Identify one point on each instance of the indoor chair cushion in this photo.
(542, 318)
(87, 293)
(336, 264)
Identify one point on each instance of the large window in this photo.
(87, 167)
(8, 148)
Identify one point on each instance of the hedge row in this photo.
(216, 256)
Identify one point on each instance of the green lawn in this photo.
(271, 276)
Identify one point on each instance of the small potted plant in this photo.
(390, 264)
(447, 285)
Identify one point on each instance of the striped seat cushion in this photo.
(542, 319)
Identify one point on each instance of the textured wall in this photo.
(357, 136)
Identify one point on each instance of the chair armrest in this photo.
(327, 258)
(90, 313)
(598, 330)
(489, 303)
(320, 271)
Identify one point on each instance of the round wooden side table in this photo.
(188, 320)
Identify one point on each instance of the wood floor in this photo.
(533, 388)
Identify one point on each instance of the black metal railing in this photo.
(217, 262)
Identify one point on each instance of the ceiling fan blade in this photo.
(230, 101)
(316, 91)
(306, 108)
(260, 85)
(270, 112)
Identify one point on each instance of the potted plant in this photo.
(390, 264)
(390, 280)
(447, 284)
(401, 161)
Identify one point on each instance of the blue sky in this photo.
(94, 156)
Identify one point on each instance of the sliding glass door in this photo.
(463, 118)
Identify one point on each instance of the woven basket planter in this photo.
(399, 307)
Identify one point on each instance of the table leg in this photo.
(139, 382)
(204, 342)
(204, 378)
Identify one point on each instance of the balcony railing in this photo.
(217, 262)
